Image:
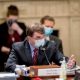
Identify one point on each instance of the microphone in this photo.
(44, 50)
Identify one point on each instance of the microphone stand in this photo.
(44, 50)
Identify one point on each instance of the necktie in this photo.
(35, 56)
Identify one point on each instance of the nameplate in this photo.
(49, 71)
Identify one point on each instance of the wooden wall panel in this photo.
(65, 12)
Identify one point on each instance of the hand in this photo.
(16, 27)
(5, 49)
(71, 62)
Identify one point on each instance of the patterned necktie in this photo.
(35, 56)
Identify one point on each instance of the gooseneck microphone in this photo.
(44, 50)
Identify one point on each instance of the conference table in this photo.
(8, 76)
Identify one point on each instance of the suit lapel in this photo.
(28, 53)
(40, 57)
(49, 46)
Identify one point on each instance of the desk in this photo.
(34, 72)
(7, 76)
(48, 78)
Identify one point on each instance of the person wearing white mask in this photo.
(31, 51)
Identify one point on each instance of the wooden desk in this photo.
(34, 73)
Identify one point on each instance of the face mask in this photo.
(10, 22)
(48, 30)
(39, 43)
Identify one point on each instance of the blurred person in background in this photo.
(10, 31)
(49, 24)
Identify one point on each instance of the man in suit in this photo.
(35, 50)
(10, 31)
(49, 24)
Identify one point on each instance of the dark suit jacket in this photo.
(21, 54)
(58, 42)
(3, 37)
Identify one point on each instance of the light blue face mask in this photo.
(48, 30)
(40, 42)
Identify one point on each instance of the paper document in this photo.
(5, 74)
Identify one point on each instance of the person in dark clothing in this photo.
(10, 31)
(31, 51)
(49, 24)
